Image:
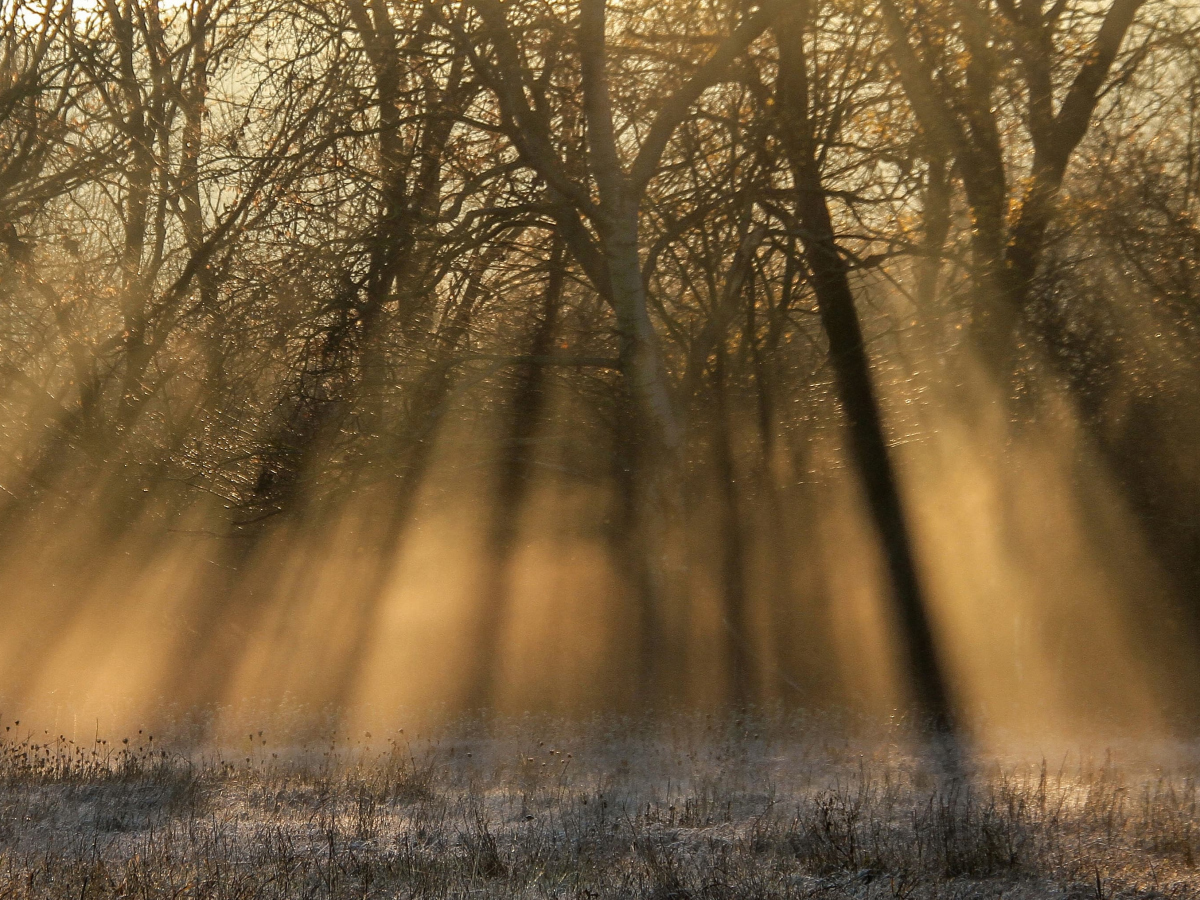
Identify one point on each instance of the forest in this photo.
(388, 355)
(579, 449)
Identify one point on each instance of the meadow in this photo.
(676, 807)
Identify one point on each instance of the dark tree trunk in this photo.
(512, 487)
(630, 537)
(733, 542)
(852, 374)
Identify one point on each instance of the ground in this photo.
(690, 806)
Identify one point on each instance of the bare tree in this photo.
(952, 79)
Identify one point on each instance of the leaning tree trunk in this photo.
(852, 374)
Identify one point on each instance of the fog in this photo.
(371, 365)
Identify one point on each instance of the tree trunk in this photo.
(511, 490)
(852, 375)
(650, 445)
(733, 542)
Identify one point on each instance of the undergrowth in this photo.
(607, 810)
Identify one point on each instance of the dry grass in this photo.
(695, 808)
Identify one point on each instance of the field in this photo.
(689, 807)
